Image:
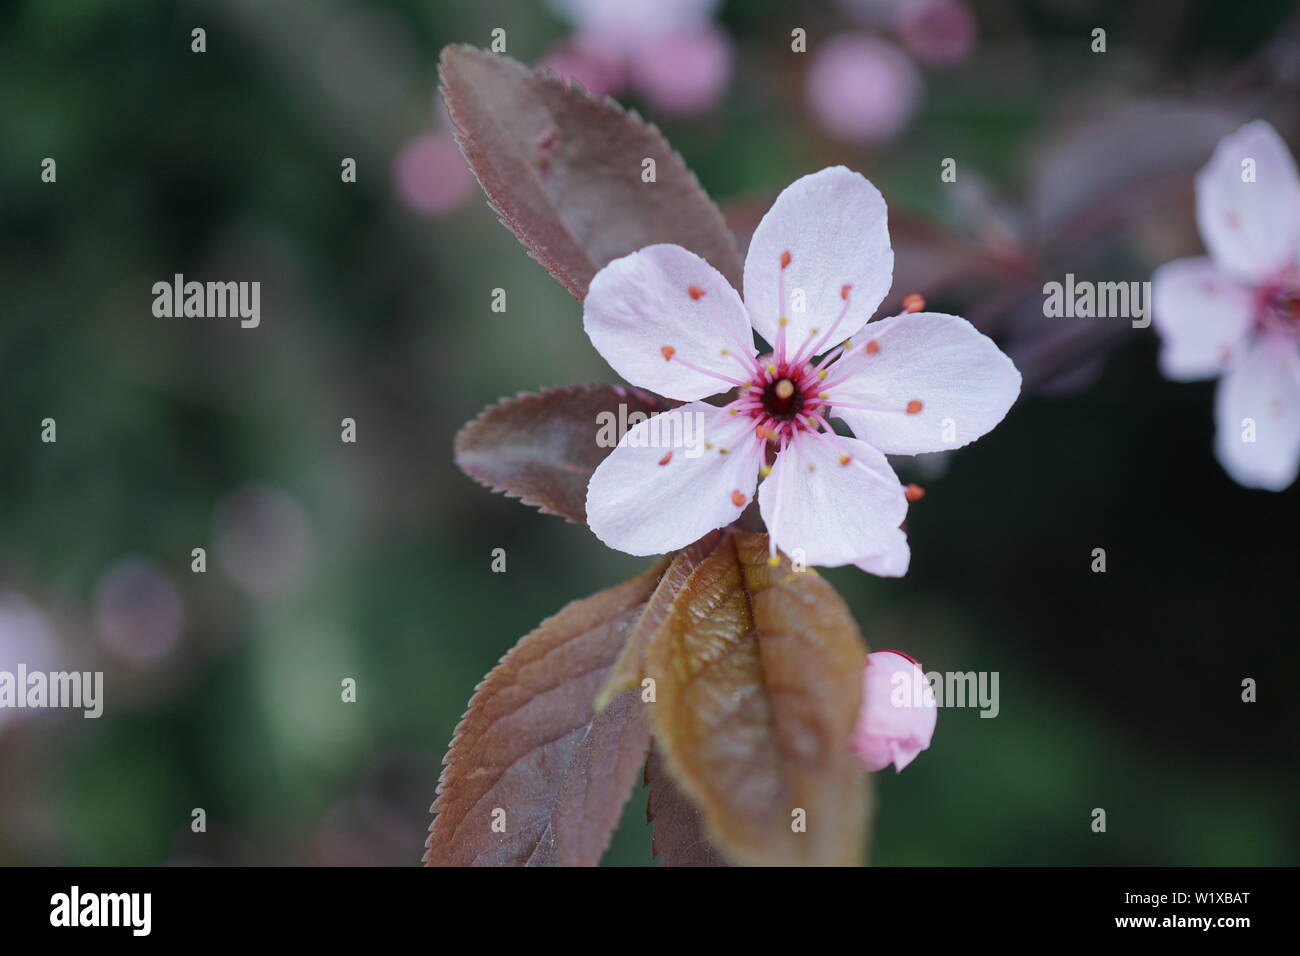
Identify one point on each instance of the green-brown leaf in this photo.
(629, 670)
(758, 676)
(563, 170)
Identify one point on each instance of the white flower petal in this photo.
(673, 479)
(654, 313)
(831, 509)
(957, 383)
(1202, 316)
(1248, 203)
(834, 227)
(1263, 387)
(892, 561)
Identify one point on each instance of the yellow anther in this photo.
(773, 561)
(784, 321)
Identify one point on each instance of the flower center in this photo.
(782, 400)
(1284, 303)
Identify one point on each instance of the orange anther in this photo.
(844, 292)
(914, 406)
(668, 352)
(695, 292)
(785, 259)
(845, 459)
(913, 303)
(666, 458)
(914, 492)
(738, 499)
(873, 347)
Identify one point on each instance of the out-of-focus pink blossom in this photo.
(898, 712)
(1235, 314)
(685, 73)
(627, 25)
(598, 70)
(862, 89)
(938, 32)
(430, 175)
(669, 51)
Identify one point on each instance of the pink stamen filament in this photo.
(704, 371)
(737, 339)
(821, 343)
(870, 408)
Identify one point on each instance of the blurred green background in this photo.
(372, 560)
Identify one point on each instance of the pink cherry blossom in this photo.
(819, 264)
(684, 74)
(898, 714)
(668, 50)
(1236, 312)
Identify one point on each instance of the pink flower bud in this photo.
(898, 712)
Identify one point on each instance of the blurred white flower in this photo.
(27, 636)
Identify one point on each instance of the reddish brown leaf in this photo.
(563, 170)
(542, 448)
(530, 745)
(678, 825)
(758, 675)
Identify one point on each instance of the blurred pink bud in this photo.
(898, 712)
(430, 175)
(939, 32)
(685, 73)
(600, 70)
(862, 89)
